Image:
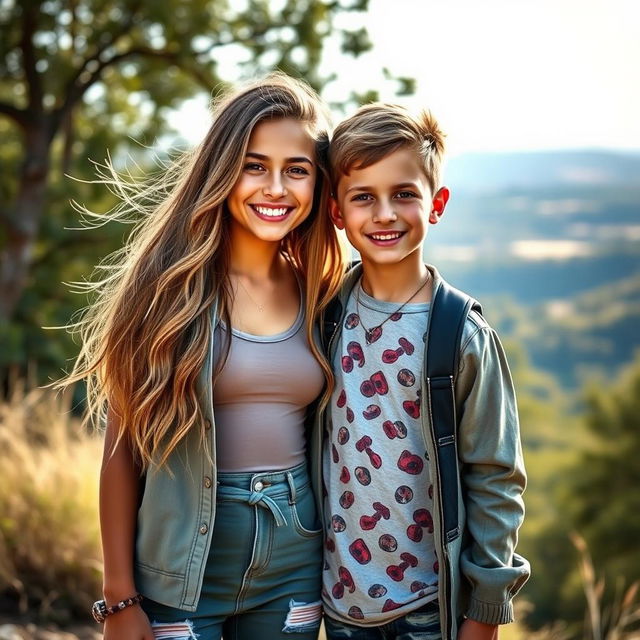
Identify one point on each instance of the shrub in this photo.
(49, 532)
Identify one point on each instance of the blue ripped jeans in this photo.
(421, 624)
(263, 574)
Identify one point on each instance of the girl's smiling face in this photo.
(274, 193)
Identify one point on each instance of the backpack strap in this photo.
(448, 313)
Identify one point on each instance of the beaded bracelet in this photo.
(100, 611)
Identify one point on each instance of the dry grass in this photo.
(616, 621)
(613, 622)
(49, 536)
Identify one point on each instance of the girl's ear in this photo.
(335, 214)
(438, 205)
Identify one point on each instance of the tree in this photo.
(589, 486)
(604, 500)
(78, 76)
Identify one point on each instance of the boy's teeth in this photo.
(385, 236)
(274, 213)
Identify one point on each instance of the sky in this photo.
(500, 75)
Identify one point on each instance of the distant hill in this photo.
(557, 235)
(574, 338)
(490, 172)
(534, 282)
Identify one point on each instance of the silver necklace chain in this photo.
(259, 306)
(372, 334)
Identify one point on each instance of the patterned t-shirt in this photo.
(380, 561)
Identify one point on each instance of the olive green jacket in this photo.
(479, 570)
(177, 510)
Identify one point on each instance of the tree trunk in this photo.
(23, 219)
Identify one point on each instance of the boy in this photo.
(389, 570)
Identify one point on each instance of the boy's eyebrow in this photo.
(294, 159)
(357, 187)
(405, 185)
(402, 185)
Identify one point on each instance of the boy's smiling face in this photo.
(386, 208)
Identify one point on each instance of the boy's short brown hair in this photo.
(376, 130)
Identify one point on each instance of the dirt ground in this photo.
(12, 631)
(29, 631)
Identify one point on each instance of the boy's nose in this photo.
(385, 213)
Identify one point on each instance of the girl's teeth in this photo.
(273, 213)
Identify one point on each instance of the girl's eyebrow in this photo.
(294, 159)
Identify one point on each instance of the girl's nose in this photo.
(274, 187)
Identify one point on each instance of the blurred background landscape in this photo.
(540, 104)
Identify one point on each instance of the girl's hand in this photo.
(129, 624)
(473, 630)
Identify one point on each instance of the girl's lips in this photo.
(386, 238)
(271, 213)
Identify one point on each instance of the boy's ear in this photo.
(334, 213)
(438, 205)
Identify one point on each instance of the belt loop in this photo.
(292, 488)
(258, 498)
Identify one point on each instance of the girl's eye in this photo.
(253, 166)
(300, 171)
(361, 197)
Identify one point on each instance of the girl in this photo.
(209, 525)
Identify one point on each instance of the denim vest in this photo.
(479, 570)
(177, 510)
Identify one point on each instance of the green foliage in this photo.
(614, 620)
(356, 42)
(548, 433)
(365, 97)
(583, 476)
(406, 86)
(581, 458)
(101, 76)
(605, 503)
(62, 254)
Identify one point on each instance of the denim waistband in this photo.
(261, 487)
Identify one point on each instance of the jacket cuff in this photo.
(490, 613)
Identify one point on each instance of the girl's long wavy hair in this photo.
(146, 336)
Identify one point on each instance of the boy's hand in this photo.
(473, 630)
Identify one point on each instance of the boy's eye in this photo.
(406, 194)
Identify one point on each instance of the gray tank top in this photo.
(260, 398)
